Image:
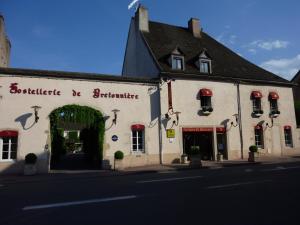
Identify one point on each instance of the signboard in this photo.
(114, 138)
(170, 133)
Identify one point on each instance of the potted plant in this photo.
(275, 113)
(252, 151)
(30, 164)
(195, 157)
(206, 110)
(258, 113)
(118, 160)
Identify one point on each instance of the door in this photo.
(222, 144)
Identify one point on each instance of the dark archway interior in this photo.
(77, 134)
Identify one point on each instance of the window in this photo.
(204, 66)
(205, 100)
(256, 102)
(288, 136)
(177, 63)
(273, 97)
(8, 145)
(258, 131)
(137, 138)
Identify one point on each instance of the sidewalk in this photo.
(69, 175)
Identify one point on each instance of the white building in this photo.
(180, 89)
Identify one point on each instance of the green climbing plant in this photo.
(93, 134)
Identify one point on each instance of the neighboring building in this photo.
(180, 90)
(211, 86)
(4, 45)
(296, 90)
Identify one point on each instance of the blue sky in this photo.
(90, 36)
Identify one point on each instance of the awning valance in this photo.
(8, 133)
(287, 127)
(221, 129)
(206, 92)
(137, 127)
(256, 94)
(273, 95)
(258, 127)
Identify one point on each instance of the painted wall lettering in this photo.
(14, 89)
(98, 94)
(76, 93)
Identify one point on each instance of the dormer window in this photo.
(176, 59)
(177, 62)
(204, 63)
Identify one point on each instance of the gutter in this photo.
(240, 119)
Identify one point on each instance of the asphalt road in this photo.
(257, 194)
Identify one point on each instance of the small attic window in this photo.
(204, 63)
(177, 60)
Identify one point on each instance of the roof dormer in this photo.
(204, 62)
(176, 59)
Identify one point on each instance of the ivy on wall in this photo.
(92, 136)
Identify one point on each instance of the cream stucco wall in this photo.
(225, 104)
(34, 137)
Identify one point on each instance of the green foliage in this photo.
(119, 155)
(297, 104)
(73, 136)
(253, 148)
(92, 136)
(30, 158)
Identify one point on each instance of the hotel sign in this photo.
(170, 133)
(14, 88)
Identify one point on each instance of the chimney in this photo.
(142, 19)
(4, 45)
(194, 27)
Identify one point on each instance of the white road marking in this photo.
(168, 171)
(64, 204)
(168, 179)
(236, 184)
(282, 168)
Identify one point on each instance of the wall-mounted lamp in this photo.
(177, 118)
(272, 123)
(236, 120)
(115, 111)
(36, 109)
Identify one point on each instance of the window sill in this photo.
(8, 160)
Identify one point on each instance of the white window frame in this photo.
(289, 145)
(138, 151)
(206, 61)
(174, 59)
(9, 159)
(261, 138)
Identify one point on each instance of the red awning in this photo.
(221, 130)
(287, 127)
(137, 127)
(206, 92)
(256, 94)
(8, 133)
(258, 127)
(273, 95)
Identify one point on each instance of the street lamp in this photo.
(272, 123)
(177, 118)
(236, 120)
(36, 108)
(115, 111)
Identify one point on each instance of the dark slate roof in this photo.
(296, 77)
(74, 75)
(163, 39)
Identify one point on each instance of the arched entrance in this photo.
(77, 134)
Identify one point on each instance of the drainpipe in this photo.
(159, 126)
(240, 119)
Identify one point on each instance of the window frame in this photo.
(206, 100)
(9, 150)
(258, 102)
(288, 133)
(142, 136)
(259, 137)
(208, 63)
(175, 59)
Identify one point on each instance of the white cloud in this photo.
(232, 39)
(252, 50)
(284, 67)
(269, 45)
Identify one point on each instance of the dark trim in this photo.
(225, 79)
(74, 75)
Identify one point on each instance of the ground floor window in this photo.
(8, 145)
(137, 138)
(259, 136)
(288, 136)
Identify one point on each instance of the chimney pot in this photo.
(194, 27)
